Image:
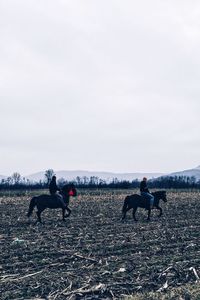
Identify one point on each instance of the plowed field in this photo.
(93, 255)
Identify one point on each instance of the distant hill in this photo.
(191, 172)
(108, 176)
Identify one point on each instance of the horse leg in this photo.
(124, 213)
(39, 214)
(123, 216)
(69, 211)
(160, 209)
(63, 214)
(134, 211)
(149, 213)
(39, 217)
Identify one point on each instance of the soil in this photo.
(93, 255)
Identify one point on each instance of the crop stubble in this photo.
(95, 256)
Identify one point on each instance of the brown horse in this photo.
(135, 201)
(52, 201)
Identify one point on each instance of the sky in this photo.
(99, 85)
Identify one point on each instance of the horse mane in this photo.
(65, 188)
(160, 191)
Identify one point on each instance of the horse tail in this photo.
(125, 204)
(31, 206)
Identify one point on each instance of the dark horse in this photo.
(48, 201)
(135, 201)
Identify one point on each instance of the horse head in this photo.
(69, 190)
(72, 190)
(163, 195)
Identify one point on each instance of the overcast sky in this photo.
(105, 85)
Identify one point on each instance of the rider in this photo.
(145, 192)
(54, 190)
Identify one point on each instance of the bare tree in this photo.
(9, 180)
(16, 177)
(48, 175)
(85, 180)
(78, 180)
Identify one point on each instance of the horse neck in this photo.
(65, 196)
(158, 196)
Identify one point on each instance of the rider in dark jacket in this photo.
(54, 190)
(143, 186)
(145, 192)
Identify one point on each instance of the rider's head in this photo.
(54, 177)
(144, 178)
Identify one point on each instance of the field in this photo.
(93, 255)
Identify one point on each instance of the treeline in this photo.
(175, 182)
(16, 181)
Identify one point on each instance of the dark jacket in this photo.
(53, 188)
(143, 187)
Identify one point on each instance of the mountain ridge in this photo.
(190, 172)
(108, 176)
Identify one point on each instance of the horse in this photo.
(135, 201)
(52, 201)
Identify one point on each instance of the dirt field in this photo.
(95, 256)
